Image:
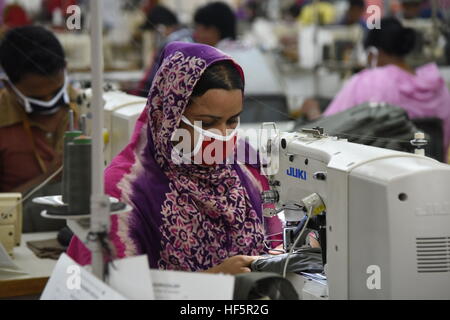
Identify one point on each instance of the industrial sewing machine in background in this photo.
(430, 42)
(386, 214)
(10, 220)
(121, 112)
(337, 47)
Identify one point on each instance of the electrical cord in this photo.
(33, 191)
(295, 242)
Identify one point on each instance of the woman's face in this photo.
(41, 87)
(206, 35)
(217, 109)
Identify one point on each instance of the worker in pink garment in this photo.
(421, 92)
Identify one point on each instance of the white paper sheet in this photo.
(6, 263)
(176, 285)
(131, 277)
(70, 281)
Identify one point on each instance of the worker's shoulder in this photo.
(382, 75)
(8, 109)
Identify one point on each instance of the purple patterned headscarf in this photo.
(185, 216)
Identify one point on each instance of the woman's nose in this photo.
(223, 129)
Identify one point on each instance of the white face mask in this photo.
(210, 134)
(43, 107)
(375, 53)
(205, 133)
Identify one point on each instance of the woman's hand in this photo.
(234, 265)
(277, 250)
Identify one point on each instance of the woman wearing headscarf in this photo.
(190, 217)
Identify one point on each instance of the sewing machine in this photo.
(430, 42)
(10, 220)
(386, 213)
(121, 112)
(335, 47)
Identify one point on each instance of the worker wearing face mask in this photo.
(34, 112)
(200, 215)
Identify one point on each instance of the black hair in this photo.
(218, 15)
(392, 38)
(357, 3)
(160, 15)
(31, 50)
(294, 10)
(220, 75)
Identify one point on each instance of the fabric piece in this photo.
(305, 260)
(46, 249)
(383, 126)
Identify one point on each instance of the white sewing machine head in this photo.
(387, 214)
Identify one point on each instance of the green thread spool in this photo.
(79, 152)
(68, 137)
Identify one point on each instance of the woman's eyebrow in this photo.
(216, 117)
(237, 114)
(209, 116)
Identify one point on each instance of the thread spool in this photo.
(79, 192)
(69, 136)
(419, 143)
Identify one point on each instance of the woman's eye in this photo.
(207, 124)
(233, 121)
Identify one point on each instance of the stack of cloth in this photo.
(46, 249)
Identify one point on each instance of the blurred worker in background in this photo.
(322, 13)
(354, 13)
(215, 25)
(13, 15)
(415, 9)
(53, 10)
(421, 92)
(168, 29)
(34, 108)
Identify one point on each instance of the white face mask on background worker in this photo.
(32, 105)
